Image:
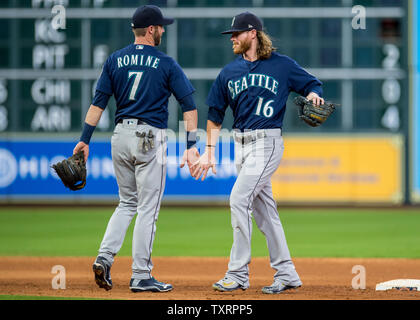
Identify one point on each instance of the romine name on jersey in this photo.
(252, 80)
(138, 60)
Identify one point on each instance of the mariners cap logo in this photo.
(244, 22)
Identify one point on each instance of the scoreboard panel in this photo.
(52, 52)
(48, 74)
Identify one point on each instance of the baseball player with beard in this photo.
(141, 78)
(256, 86)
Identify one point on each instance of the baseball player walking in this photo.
(141, 78)
(256, 86)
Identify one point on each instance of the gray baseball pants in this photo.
(256, 161)
(141, 181)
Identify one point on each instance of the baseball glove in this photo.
(72, 171)
(312, 114)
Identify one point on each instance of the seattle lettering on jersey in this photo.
(252, 80)
(138, 60)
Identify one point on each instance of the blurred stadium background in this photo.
(366, 153)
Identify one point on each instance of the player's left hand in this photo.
(190, 157)
(202, 166)
(317, 100)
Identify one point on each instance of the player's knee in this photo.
(127, 207)
(237, 200)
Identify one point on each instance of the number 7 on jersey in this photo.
(135, 84)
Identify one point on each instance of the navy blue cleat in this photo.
(102, 272)
(151, 284)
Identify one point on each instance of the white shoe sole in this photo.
(269, 291)
(220, 288)
(150, 289)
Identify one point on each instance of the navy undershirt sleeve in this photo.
(216, 114)
(187, 103)
(104, 82)
(179, 84)
(303, 82)
(100, 99)
(217, 101)
(317, 89)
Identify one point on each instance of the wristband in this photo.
(87, 133)
(210, 146)
(191, 139)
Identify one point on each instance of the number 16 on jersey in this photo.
(267, 109)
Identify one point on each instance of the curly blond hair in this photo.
(265, 45)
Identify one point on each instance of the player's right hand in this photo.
(202, 166)
(81, 146)
(316, 100)
(191, 156)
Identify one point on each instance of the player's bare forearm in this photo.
(208, 159)
(191, 155)
(213, 131)
(191, 120)
(93, 115)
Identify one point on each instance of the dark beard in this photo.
(156, 37)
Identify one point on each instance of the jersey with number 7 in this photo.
(142, 78)
(258, 91)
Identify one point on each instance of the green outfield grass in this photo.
(207, 232)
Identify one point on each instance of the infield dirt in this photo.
(192, 278)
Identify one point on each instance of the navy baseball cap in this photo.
(244, 22)
(149, 15)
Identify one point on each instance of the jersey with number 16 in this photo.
(258, 91)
